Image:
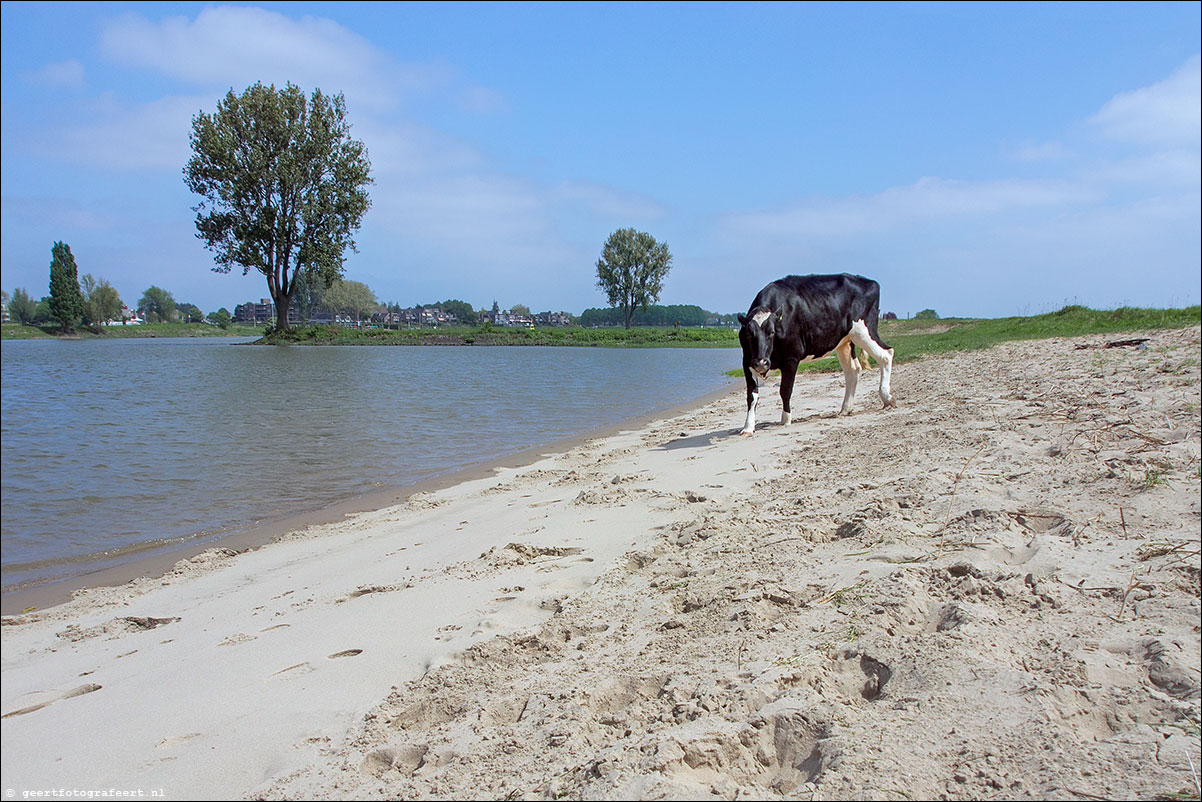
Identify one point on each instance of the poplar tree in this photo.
(66, 301)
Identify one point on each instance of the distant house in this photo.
(507, 317)
(553, 319)
(129, 317)
(416, 317)
(262, 312)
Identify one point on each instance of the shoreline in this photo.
(674, 611)
(41, 594)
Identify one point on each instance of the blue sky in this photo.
(979, 159)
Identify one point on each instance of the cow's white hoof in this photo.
(890, 404)
(747, 432)
(786, 418)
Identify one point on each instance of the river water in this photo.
(115, 448)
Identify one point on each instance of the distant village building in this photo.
(415, 317)
(507, 317)
(262, 312)
(129, 317)
(553, 319)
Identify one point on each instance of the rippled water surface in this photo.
(111, 445)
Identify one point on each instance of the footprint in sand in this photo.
(80, 691)
(176, 740)
(347, 653)
(295, 671)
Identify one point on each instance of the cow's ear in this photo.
(742, 318)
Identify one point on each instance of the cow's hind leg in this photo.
(851, 374)
(883, 356)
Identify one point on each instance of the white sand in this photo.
(992, 591)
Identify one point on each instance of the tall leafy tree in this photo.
(283, 186)
(351, 298)
(22, 308)
(66, 301)
(461, 310)
(103, 303)
(632, 269)
(157, 305)
(189, 313)
(222, 318)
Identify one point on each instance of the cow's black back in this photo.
(812, 314)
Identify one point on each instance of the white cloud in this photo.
(121, 135)
(1165, 169)
(228, 46)
(482, 100)
(69, 74)
(1166, 113)
(607, 201)
(1042, 152)
(927, 200)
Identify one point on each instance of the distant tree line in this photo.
(94, 302)
(654, 315)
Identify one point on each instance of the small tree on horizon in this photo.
(66, 301)
(632, 269)
(103, 303)
(283, 187)
(351, 298)
(21, 307)
(158, 305)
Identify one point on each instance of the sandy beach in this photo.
(991, 591)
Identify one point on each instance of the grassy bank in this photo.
(486, 335)
(15, 331)
(912, 339)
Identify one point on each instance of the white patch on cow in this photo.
(760, 317)
(785, 418)
(884, 357)
(749, 426)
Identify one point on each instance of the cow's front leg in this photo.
(851, 374)
(788, 374)
(753, 398)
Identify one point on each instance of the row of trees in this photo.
(652, 315)
(94, 301)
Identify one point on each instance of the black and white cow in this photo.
(800, 318)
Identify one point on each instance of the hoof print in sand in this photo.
(115, 628)
(403, 759)
(347, 653)
(294, 671)
(80, 691)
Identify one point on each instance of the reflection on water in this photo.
(110, 445)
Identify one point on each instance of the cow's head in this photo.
(757, 331)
